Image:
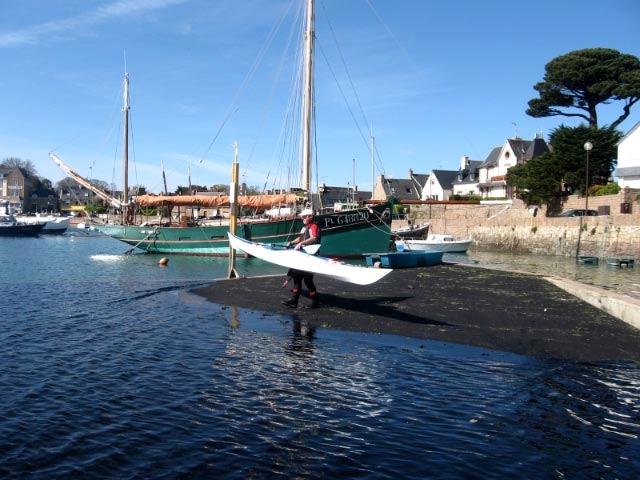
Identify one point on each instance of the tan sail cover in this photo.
(254, 201)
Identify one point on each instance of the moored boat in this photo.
(10, 227)
(53, 224)
(345, 233)
(588, 259)
(404, 259)
(435, 243)
(621, 261)
(411, 231)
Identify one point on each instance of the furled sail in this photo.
(253, 201)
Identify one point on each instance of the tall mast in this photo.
(373, 160)
(308, 98)
(125, 150)
(353, 185)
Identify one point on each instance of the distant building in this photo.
(329, 198)
(72, 194)
(44, 200)
(439, 185)
(16, 186)
(628, 170)
(465, 182)
(403, 188)
(493, 171)
(485, 178)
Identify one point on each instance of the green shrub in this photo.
(608, 189)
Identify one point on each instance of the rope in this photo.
(155, 231)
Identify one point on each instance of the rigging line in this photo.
(219, 132)
(315, 155)
(378, 158)
(391, 34)
(355, 120)
(114, 122)
(115, 154)
(133, 148)
(294, 32)
(288, 140)
(287, 136)
(254, 67)
(108, 136)
(344, 64)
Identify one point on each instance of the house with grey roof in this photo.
(487, 178)
(493, 171)
(16, 186)
(328, 197)
(400, 188)
(467, 177)
(628, 169)
(439, 185)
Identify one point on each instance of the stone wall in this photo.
(514, 228)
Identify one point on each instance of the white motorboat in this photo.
(10, 227)
(435, 243)
(53, 223)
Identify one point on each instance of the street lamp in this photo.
(588, 146)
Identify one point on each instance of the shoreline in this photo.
(470, 305)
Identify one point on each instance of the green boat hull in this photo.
(344, 234)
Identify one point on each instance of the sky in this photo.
(431, 80)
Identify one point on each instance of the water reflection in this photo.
(302, 339)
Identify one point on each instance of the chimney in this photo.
(411, 173)
(464, 162)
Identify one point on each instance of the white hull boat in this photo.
(435, 243)
(53, 224)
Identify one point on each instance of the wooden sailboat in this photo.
(347, 233)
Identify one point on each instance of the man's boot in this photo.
(293, 301)
(315, 300)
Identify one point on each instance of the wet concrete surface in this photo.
(499, 310)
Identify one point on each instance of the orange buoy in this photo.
(164, 261)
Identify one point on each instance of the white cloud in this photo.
(70, 27)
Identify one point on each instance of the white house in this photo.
(439, 185)
(467, 177)
(493, 171)
(628, 171)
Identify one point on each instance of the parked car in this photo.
(580, 212)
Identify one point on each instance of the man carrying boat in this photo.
(309, 235)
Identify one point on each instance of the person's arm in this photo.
(293, 242)
(313, 237)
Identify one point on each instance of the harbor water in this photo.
(624, 280)
(111, 368)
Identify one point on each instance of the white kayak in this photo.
(307, 262)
